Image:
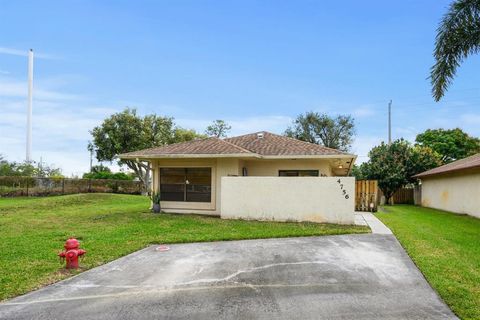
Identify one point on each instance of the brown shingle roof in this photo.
(277, 145)
(467, 163)
(250, 145)
(193, 147)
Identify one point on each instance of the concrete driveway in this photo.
(336, 277)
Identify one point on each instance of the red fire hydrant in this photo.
(71, 253)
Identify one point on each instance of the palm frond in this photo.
(458, 36)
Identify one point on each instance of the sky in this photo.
(255, 64)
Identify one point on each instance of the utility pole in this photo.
(91, 160)
(390, 122)
(40, 167)
(91, 148)
(28, 157)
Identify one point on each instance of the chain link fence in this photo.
(27, 186)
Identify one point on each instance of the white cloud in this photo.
(272, 123)
(61, 124)
(408, 133)
(363, 112)
(12, 89)
(18, 89)
(59, 137)
(363, 144)
(471, 118)
(13, 52)
(198, 125)
(24, 53)
(468, 122)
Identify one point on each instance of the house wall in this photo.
(271, 167)
(316, 199)
(224, 167)
(459, 192)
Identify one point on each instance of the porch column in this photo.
(154, 169)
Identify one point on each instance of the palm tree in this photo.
(458, 36)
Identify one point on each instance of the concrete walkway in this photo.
(368, 219)
(366, 276)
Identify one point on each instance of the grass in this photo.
(33, 231)
(446, 248)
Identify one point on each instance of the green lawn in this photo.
(33, 231)
(446, 248)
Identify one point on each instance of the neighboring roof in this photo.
(467, 163)
(259, 145)
(277, 145)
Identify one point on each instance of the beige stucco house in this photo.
(453, 187)
(193, 176)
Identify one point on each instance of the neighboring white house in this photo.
(453, 187)
(255, 176)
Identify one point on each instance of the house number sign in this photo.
(344, 192)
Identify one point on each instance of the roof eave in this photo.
(426, 174)
(236, 155)
(310, 156)
(185, 156)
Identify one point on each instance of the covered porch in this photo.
(195, 185)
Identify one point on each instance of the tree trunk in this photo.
(142, 171)
(389, 198)
(147, 182)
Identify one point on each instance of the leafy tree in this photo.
(393, 165)
(107, 175)
(182, 135)
(336, 133)
(28, 169)
(126, 131)
(4, 166)
(100, 168)
(359, 171)
(43, 170)
(218, 128)
(104, 172)
(421, 159)
(458, 36)
(450, 144)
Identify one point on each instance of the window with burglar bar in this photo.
(186, 184)
(298, 173)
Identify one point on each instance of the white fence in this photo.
(316, 199)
